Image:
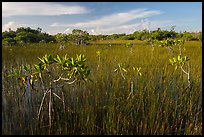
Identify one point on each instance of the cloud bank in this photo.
(113, 19)
(14, 25)
(39, 8)
(115, 22)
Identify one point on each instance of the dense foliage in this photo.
(79, 37)
(25, 35)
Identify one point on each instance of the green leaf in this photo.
(45, 59)
(138, 69)
(179, 58)
(31, 81)
(50, 59)
(72, 61)
(42, 60)
(27, 68)
(37, 67)
(65, 57)
(59, 59)
(42, 66)
(140, 74)
(119, 65)
(12, 75)
(172, 62)
(98, 53)
(116, 70)
(176, 67)
(175, 60)
(40, 75)
(124, 70)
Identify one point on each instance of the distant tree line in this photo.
(27, 35)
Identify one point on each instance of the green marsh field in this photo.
(155, 100)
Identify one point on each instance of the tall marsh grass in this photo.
(158, 102)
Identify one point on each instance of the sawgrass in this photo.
(156, 103)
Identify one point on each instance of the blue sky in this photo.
(102, 17)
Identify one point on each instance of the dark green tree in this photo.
(79, 37)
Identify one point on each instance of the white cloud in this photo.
(113, 19)
(124, 28)
(13, 26)
(55, 24)
(146, 24)
(127, 28)
(118, 29)
(10, 25)
(39, 8)
(67, 31)
(131, 28)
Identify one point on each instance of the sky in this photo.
(102, 17)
